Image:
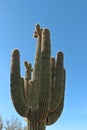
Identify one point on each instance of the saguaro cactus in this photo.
(39, 97)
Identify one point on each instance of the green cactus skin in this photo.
(39, 97)
(45, 76)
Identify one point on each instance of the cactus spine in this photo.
(40, 97)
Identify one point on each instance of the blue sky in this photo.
(67, 22)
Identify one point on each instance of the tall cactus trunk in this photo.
(45, 76)
(35, 125)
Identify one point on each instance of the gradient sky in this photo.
(67, 22)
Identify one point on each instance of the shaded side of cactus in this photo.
(39, 96)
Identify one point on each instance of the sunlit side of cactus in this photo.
(40, 95)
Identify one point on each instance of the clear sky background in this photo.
(67, 22)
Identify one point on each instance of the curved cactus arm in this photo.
(57, 89)
(45, 76)
(15, 84)
(52, 117)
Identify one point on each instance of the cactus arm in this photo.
(57, 89)
(28, 71)
(52, 117)
(22, 86)
(52, 62)
(27, 87)
(45, 75)
(16, 90)
(36, 70)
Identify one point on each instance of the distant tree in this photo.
(24, 128)
(13, 124)
(1, 123)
